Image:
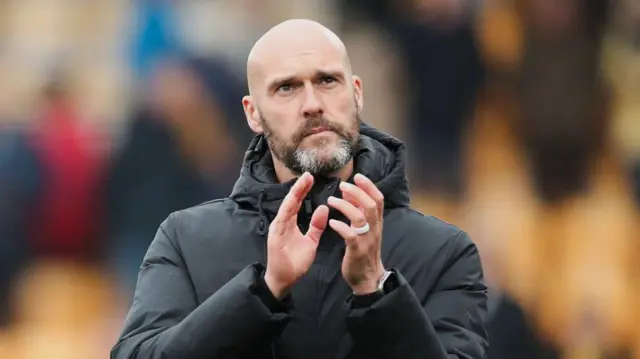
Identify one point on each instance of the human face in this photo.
(322, 155)
(307, 104)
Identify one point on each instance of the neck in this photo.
(284, 174)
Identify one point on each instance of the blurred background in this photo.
(522, 118)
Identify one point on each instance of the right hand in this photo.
(290, 253)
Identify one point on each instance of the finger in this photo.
(345, 231)
(354, 214)
(318, 223)
(360, 198)
(293, 200)
(370, 189)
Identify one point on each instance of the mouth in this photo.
(317, 130)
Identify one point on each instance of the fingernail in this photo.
(331, 199)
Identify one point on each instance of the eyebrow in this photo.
(279, 81)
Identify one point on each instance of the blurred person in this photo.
(563, 96)
(20, 178)
(61, 213)
(67, 223)
(443, 67)
(564, 126)
(179, 151)
(498, 211)
(275, 270)
(553, 253)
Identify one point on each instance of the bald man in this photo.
(296, 263)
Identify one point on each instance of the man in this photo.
(297, 262)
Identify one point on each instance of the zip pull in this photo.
(307, 206)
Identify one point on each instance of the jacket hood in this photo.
(380, 157)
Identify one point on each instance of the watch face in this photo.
(391, 283)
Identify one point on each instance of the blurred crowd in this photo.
(522, 118)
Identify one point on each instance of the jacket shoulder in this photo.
(216, 236)
(203, 210)
(431, 253)
(425, 239)
(421, 227)
(434, 224)
(205, 218)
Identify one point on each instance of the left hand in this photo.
(362, 203)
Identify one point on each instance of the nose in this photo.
(312, 105)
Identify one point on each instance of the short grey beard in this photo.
(308, 159)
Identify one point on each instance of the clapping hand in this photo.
(363, 205)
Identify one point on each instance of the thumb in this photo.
(318, 223)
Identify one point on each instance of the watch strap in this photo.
(366, 300)
(385, 285)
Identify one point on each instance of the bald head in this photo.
(304, 99)
(290, 39)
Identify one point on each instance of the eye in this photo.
(285, 87)
(328, 80)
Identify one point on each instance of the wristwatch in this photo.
(388, 282)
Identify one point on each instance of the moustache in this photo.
(307, 128)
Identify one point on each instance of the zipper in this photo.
(308, 208)
(304, 219)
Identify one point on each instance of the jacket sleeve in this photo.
(448, 323)
(165, 320)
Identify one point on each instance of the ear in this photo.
(252, 114)
(357, 89)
